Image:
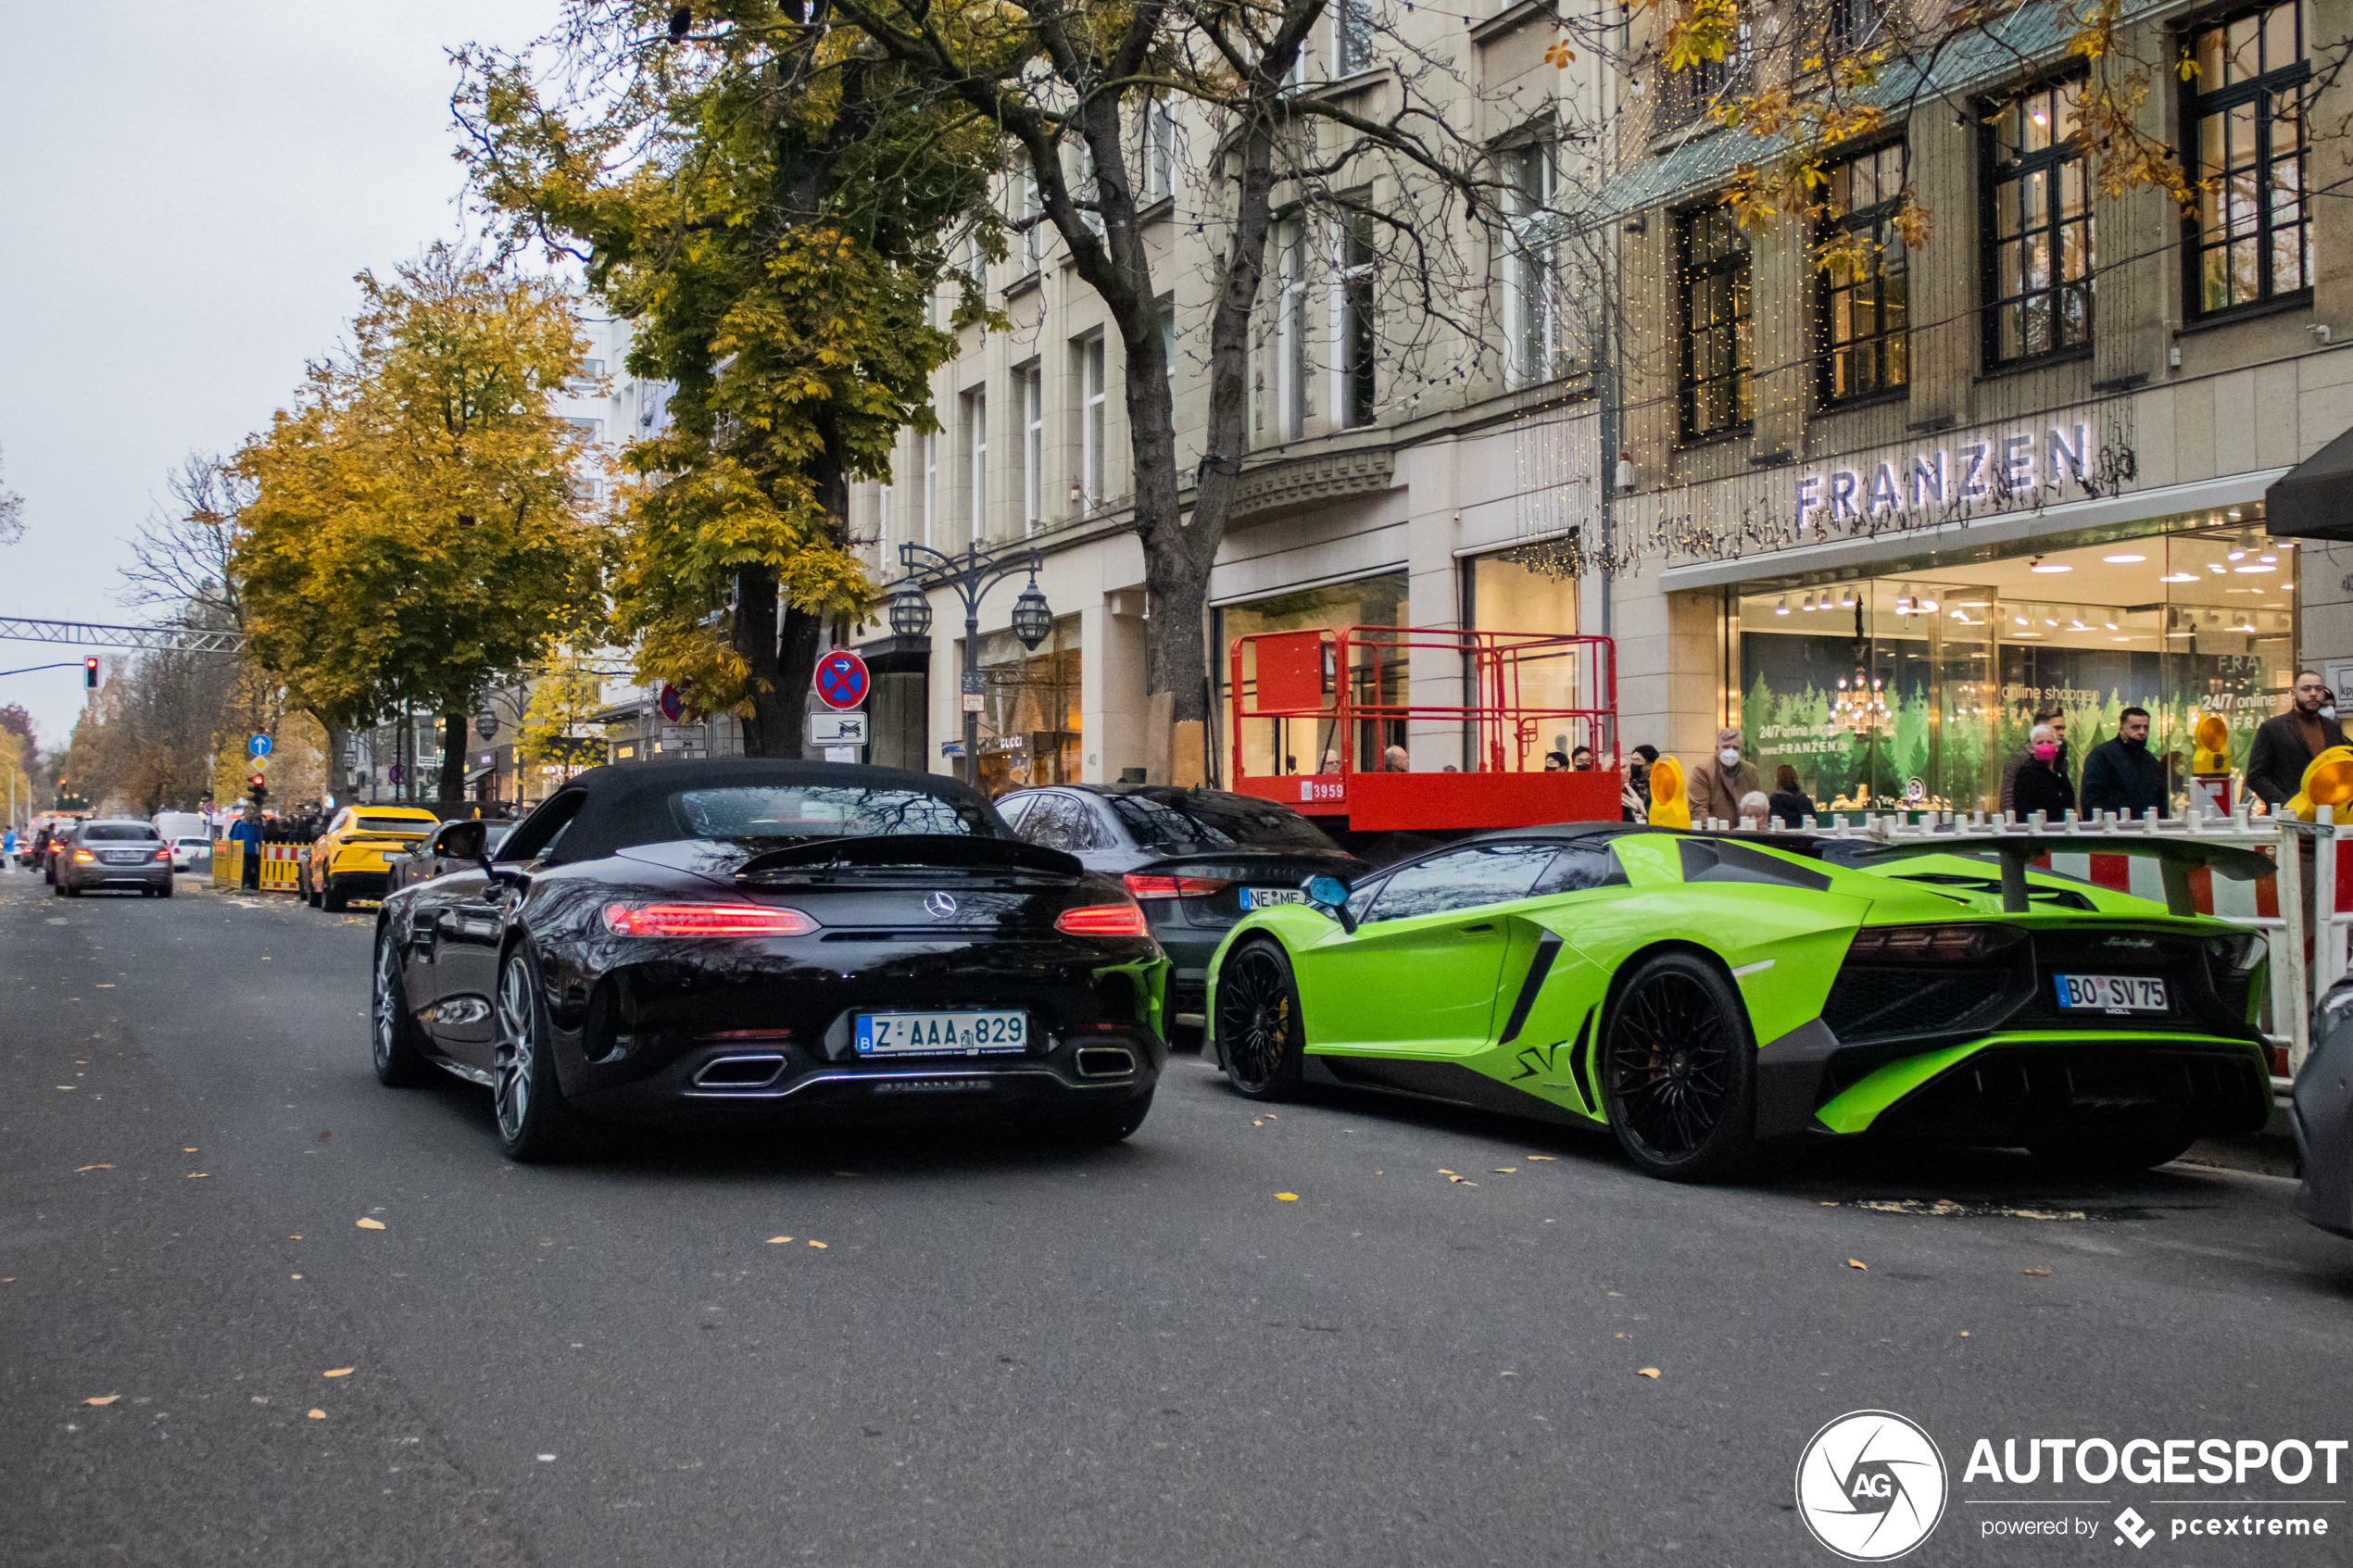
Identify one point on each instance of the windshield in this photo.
(1207, 821)
(821, 811)
(115, 833)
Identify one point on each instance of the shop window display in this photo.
(1030, 714)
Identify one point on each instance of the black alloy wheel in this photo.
(398, 1041)
(1260, 1033)
(1679, 1073)
(535, 1123)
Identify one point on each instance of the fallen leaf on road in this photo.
(1827, 1203)
(293, 1276)
(1857, 1263)
(1288, 1197)
(367, 1224)
(103, 1399)
(2040, 1274)
(1505, 1170)
(1620, 1336)
(78, 1169)
(293, 1238)
(775, 1240)
(1965, 1333)
(1619, 1294)
(67, 1086)
(1649, 1372)
(1507, 1375)
(317, 1415)
(187, 1152)
(106, 986)
(818, 1245)
(323, 1136)
(338, 1371)
(1258, 1123)
(1542, 1157)
(1445, 1172)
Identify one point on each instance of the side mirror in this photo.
(1330, 895)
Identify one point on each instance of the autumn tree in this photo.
(416, 528)
(764, 194)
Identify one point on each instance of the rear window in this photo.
(756, 811)
(118, 832)
(185, 843)
(392, 825)
(1211, 822)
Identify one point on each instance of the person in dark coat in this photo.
(2285, 746)
(1790, 803)
(1634, 799)
(2122, 775)
(2056, 717)
(2042, 785)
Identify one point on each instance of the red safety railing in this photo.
(1346, 694)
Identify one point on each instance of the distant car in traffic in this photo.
(354, 858)
(192, 852)
(453, 847)
(2320, 1114)
(1196, 860)
(751, 937)
(128, 855)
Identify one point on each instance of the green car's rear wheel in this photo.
(1679, 1074)
(1259, 1034)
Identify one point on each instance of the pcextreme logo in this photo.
(1870, 1486)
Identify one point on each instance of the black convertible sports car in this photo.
(812, 941)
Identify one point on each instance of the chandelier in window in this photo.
(1860, 708)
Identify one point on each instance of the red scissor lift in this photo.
(1340, 691)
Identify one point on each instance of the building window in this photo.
(976, 412)
(1159, 150)
(930, 456)
(1028, 208)
(1353, 397)
(1353, 22)
(592, 428)
(1091, 410)
(1029, 390)
(1850, 25)
(1717, 350)
(2038, 231)
(2252, 238)
(1531, 279)
(1291, 336)
(1865, 291)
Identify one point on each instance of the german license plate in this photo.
(941, 1033)
(2111, 993)
(1267, 897)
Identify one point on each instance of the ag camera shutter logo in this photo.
(1871, 1486)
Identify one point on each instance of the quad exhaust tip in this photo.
(740, 1072)
(1106, 1061)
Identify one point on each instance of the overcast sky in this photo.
(189, 188)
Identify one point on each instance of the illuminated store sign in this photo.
(2004, 471)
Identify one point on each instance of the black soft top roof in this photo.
(627, 803)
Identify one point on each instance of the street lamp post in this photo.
(970, 575)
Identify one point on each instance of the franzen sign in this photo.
(1998, 471)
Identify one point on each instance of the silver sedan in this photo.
(115, 854)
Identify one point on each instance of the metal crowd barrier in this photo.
(2307, 933)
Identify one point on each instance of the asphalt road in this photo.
(1010, 1355)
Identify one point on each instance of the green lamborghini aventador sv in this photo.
(1703, 994)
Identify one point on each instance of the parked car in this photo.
(192, 853)
(1197, 859)
(453, 847)
(755, 938)
(2320, 1114)
(1701, 994)
(353, 859)
(126, 854)
(50, 845)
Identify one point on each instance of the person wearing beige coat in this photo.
(1715, 789)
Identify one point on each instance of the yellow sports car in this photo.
(351, 858)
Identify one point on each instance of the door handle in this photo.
(1482, 925)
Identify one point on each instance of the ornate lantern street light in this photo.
(909, 610)
(969, 575)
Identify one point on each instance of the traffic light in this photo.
(257, 790)
(90, 672)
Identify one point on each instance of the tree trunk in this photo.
(769, 728)
(338, 736)
(453, 758)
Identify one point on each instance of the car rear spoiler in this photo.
(959, 850)
(2176, 856)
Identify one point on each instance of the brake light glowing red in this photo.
(705, 919)
(1148, 886)
(1101, 920)
(83, 854)
(164, 854)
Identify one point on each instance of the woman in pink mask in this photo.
(2042, 787)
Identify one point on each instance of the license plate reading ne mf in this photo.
(941, 1033)
(1267, 897)
(2111, 993)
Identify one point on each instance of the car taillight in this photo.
(83, 854)
(705, 919)
(164, 854)
(1934, 944)
(1101, 920)
(1146, 887)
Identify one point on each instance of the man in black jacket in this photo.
(2122, 775)
(2285, 746)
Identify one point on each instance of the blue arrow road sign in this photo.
(258, 747)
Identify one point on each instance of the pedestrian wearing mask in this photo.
(2123, 775)
(2048, 714)
(1719, 783)
(1634, 799)
(2042, 785)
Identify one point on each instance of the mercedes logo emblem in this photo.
(942, 906)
